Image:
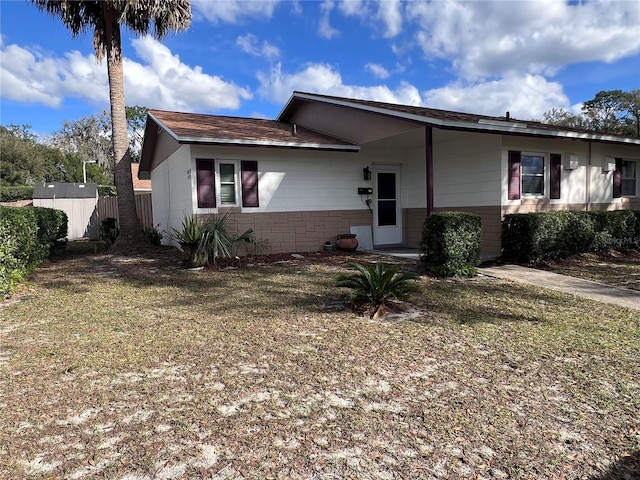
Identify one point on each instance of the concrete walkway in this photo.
(623, 297)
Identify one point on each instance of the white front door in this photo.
(387, 208)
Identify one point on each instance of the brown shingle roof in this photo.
(137, 183)
(199, 128)
(451, 116)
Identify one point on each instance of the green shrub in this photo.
(533, 237)
(52, 225)
(12, 269)
(152, 234)
(375, 285)
(451, 243)
(24, 224)
(13, 194)
(25, 241)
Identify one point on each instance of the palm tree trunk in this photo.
(128, 218)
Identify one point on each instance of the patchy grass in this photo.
(121, 367)
(617, 268)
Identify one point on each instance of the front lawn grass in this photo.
(616, 268)
(116, 367)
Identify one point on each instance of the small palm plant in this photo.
(217, 242)
(206, 242)
(189, 238)
(376, 287)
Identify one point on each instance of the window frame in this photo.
(634, 178)
(236, 182)
(546, 193)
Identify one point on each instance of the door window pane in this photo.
(386, 213)
(386, 186)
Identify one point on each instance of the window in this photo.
(629, 178)
(532, 175)
(222, 183)
(227, 183)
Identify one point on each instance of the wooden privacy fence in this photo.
(108, 207)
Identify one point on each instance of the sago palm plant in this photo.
(376, 286)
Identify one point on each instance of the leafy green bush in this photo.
(24, 223)
(152, 234)
(52, 225)
(451, 243)
(13, 194)
(533, 237)
(375, 285)
(12, 271)
(26, 235)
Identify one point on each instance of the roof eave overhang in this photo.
(512, 128)
(233, 142)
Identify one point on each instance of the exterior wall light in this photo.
(366, 173)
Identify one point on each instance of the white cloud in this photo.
(523, 96)
(353, 7)
(31, 77)
(389, 12)
(377, 70)
(233, 11)
(324, 27)
(250, 44)
(162, 81)
(166, 82)
(321, 78)
(386, 12)
(485, 39)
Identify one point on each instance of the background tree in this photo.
(632, 118)
(606, 111)
(89, 139)
(103, 19)
(136, 118)
(564, 118)
(610, 111)
(24, 160)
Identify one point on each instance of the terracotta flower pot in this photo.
(347, 242)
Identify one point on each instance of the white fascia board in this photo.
(480, 127)
(266, 143)
(164, 127)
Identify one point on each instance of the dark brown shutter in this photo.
(514, 175)
(249, 178)
(206, 185)
(555, 175)
(617, 179)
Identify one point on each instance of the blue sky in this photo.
(245, 58)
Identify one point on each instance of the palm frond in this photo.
(375, 284)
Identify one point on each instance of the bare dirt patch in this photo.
(131, 367)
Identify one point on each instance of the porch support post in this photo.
(428, 144)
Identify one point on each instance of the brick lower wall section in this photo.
(413, 220)
(308, 231)
(298, 231)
